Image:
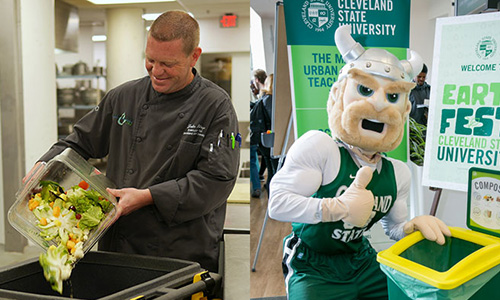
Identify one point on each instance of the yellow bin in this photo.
(467, 266)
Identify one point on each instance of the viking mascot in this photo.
(334, 188)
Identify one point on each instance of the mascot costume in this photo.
(333, 189)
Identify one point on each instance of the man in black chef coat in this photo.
(168, 141)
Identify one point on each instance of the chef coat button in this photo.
(130, 171)
(317, 215)
(145, 106)
(181, 115)
(138, 139)
(169, 147)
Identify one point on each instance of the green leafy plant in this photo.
(417, 142)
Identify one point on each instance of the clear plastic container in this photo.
(68, 169)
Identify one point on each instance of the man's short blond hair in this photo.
(176, 24)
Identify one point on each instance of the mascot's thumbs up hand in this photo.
(431, 228)
(355, 205)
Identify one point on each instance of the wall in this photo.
(39, 88)
(215, 39)
(422, 31)
(269, 43)
(240, 85)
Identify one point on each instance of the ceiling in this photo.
(91, 13)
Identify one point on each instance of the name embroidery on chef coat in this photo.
(195, 130)
(122, 119)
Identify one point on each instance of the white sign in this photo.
(464, 109)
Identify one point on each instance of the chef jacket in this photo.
(178, 146)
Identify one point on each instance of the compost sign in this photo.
(464, 110)
(314, 60)
(483, 205)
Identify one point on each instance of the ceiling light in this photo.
(102, 2)
(99, 38)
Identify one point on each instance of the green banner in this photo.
(464, 110)
(315, 60)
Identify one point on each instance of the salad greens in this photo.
(65, 217)
(55, 266)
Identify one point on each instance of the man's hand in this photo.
(431, 228)
(355, 205)
(131, 199)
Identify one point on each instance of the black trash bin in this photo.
(108, 276)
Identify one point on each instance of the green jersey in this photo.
(339, 237)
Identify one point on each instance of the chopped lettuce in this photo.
(91, 218)
(50, 190)
(56, 266)
(66, 217)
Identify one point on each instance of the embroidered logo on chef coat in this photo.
(122, 119)
(195, 130)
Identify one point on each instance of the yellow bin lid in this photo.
(466, 269)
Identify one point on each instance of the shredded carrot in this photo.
(32, 204)
(70, 244)
(56, 211)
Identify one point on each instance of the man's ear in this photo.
(195, 56)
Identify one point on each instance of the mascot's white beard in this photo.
(345, 124)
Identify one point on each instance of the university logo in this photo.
(486, 47)
(318, 15)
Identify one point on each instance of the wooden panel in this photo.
(282, 97)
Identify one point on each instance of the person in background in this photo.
(259, 78)
(260, 122)
(165, 136)
(257, 83)
(421, 92)
(256, 168)
(255, 92)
